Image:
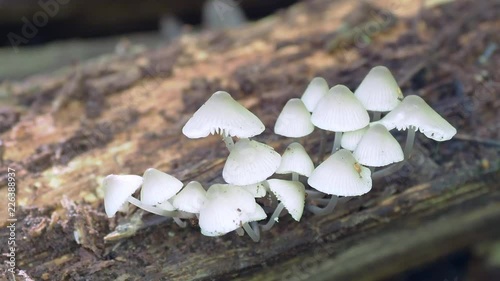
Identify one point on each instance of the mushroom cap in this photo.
(158, 186)
(257, 215)
(379, 91)
(414, 111)
(351, 139)
(378, 148)
(166, 205)
(221, 114)
(258, 190)
(340, 111)
(296, 160)
(294, 120)
(226, 209)
(250, 162)
(117, 189)
(191, 198)
(341, 175)
(291, 193)
(315, 91)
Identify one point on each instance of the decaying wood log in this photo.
(124, 113)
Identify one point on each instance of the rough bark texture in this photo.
(65, 131)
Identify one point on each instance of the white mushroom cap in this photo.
(378, 148)
(166, 205)
(291, 193)
(340, 111)
(117, 189)
(294, 120)
(226, 209)
(296, 160)
(315, 91)
(379, 91)
(258, 190)
(250, 162)
(191, 198)
(341, 175)
(414, 111)
(351, 139)
(221, 114)
(257, 215)
(158, 186)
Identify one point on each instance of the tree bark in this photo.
(121, 114)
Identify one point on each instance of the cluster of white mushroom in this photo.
(358, 144)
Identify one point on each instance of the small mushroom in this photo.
(221, 114)
(250, 162)
(315, 91)
(379, 91)
(413, 114)
(339, 175)
(158, 186)
(339, 111)
(291, 195)
(296, 161)
(228, 208)
(191, 198)
(117, 190)
(294, 120)
(378, 148)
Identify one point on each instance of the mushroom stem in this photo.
(327, 209)
(336, 142)
(322, 146)
(410, 141)
(376, 116)
(274, 217)
(295, 176)
(156, 210)
(229, 142)
(179, 222)
(254, 232)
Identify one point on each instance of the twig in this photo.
(478, 140)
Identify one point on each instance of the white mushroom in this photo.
(379, 91)
(158, 186)
(191, 198)
(378, 148)
(340, 175)
(415, 112)
(228, 208)
(221, 114)
(294, 120)
(296, 161)
(117, 190)
(250, 162)
(291, 195)
(315, 91)
(339, 111)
